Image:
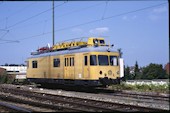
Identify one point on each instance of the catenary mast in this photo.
(53, 22)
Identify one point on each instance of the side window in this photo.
(56, 62)
(85, 60)
(69, 61)
(65, 62)
(72, 61)
(93, 60)
(113, 61)
(34, 64)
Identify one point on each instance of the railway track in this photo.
(143, 96)
(6, 107)
(64, 103)
(122, 93)
(32, 104)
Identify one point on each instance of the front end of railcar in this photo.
(113, 76)
(106, 64)
(107, 67)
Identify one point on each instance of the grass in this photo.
(164, 88)
(6, 78)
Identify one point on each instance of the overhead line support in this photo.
(53, 23)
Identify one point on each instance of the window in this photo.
(85, 60)
(56, 62)
(65, 62)
(93, 60)
(71, 61)
(113, 61)
(34, 64)
(95, 41)
(103, 60)
(102, 42)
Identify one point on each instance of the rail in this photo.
(14, 108)
(76, 104)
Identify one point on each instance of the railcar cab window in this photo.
(103, 60)
(114, 61)
(102, 42)
(95, 41)
(34, 64)
(56, 62)
(93, 60)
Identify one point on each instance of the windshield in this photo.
(103, 60)
(113, 61)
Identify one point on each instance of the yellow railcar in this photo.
(92, 64)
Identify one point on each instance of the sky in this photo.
(139, 28)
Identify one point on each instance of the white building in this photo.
(18, 70)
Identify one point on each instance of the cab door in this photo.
(86, 73)
(69, 69)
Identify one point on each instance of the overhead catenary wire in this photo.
(22, 21)
(82, 9)
(105, 9)
(18, 11)
(65, 14)
(9, 41)
(4, 35)
(97, 20)
(4, 30)
(25, 21)
(77, 10)
(137, 10)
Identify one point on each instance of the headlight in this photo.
(109, 72)
(118, 72)
(100, 72)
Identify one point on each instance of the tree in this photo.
(128, 76)
(3, 77)
(6, 64)
(136, 71)
(153, 71)
(127, 72)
